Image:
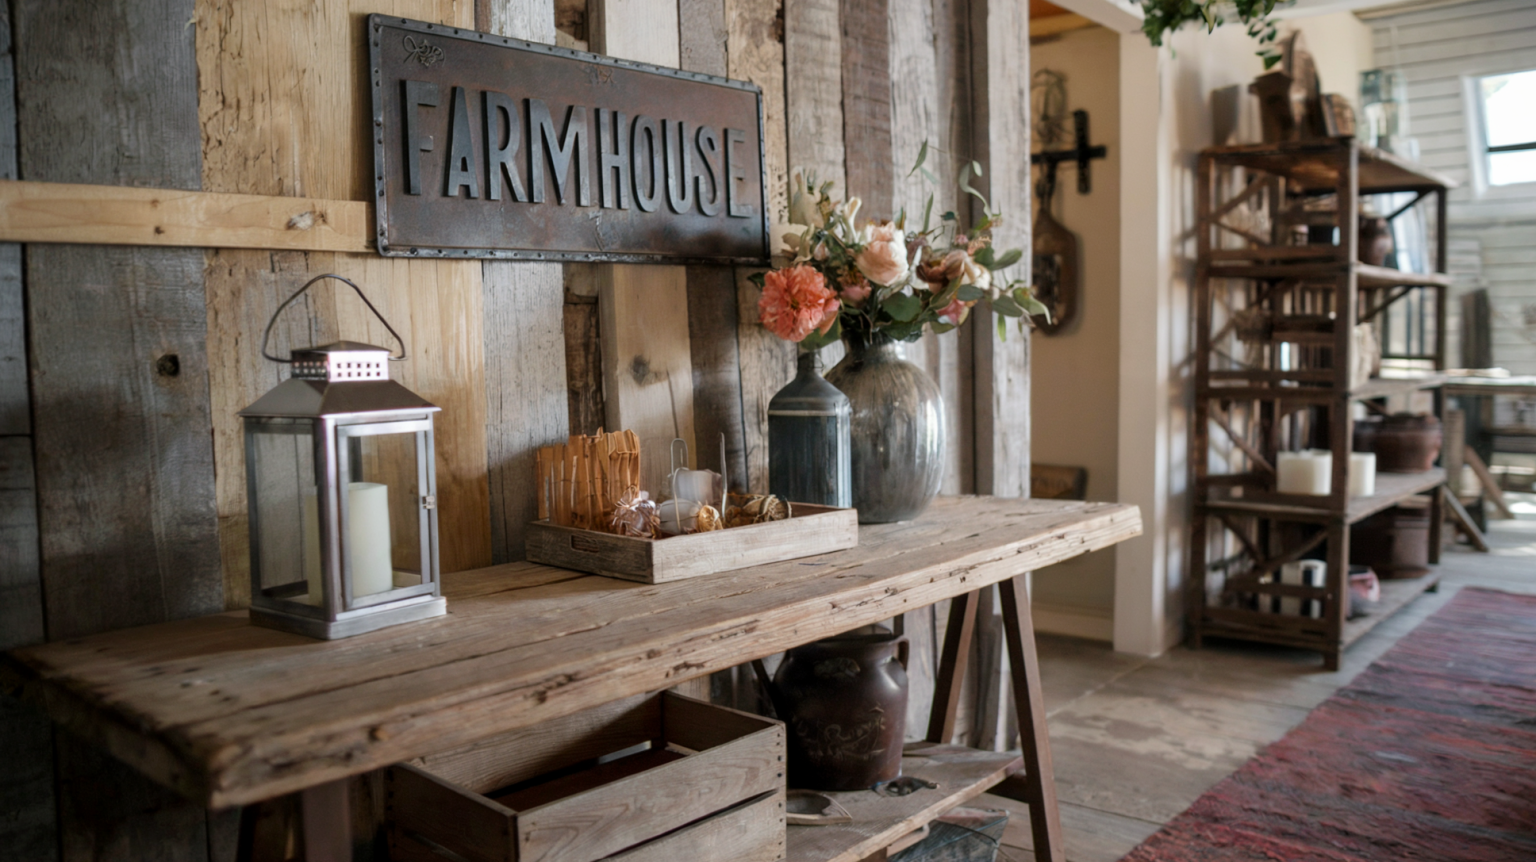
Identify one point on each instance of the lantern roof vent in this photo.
(341, 362)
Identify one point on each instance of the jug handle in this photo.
(903, 650)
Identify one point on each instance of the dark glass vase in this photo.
(897, 429)
(809, 458)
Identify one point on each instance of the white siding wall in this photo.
(1438, 49)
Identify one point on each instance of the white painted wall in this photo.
(1075, 372)
(1165, 103)
(1441, 50)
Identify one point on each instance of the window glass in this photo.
(1509, 121)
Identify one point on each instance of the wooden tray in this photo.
(812, 530)
(710, 785)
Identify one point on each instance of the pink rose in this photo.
(884, 257)
(956, 311)
(856, 289)
(795, 301)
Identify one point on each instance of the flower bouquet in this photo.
(882, 276)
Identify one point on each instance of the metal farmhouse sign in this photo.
(486, 146)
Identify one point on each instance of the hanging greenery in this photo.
(1165, 16)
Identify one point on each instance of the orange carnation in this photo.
(795, 301)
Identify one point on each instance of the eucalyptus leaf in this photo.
(902, 307)
(1008, 258)
(969, 293)
(1002, 328)
(939, 327)
(1006, 306)
(984, 257)
(922, 156)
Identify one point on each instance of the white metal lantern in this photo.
(342, 491)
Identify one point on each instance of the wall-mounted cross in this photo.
(1080, 154)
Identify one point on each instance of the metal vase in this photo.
(809, 457)
(897, 429)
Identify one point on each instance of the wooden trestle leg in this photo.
(1036, 786)
(952, 665)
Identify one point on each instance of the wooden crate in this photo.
(812, 530)
(709, 786)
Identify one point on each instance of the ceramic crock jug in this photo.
(844, 701)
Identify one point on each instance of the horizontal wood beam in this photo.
(123, 215)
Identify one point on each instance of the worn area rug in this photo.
(1430, 754)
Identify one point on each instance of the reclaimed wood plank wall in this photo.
(122, 496)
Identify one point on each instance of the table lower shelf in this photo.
(961, 773)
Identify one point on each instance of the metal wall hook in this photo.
(296, 294)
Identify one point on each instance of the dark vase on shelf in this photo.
(1375, 240)
(897, 429)
(809, 457)
(843, 701)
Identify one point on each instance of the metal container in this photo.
(809, 449)
(844, 700)
(897, 429)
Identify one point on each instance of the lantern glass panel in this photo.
(383, 516)
(285, 513)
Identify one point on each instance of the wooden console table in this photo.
(229, 714)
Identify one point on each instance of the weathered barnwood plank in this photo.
(702, 36)
(866, 58)
(814, 92)
(282, 92)
(716, 358)
(29, 831)
(123, 215)
(107, 95)
(259, 713)
(1000, 103)
(525, 346)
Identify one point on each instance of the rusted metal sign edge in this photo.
(386, 231)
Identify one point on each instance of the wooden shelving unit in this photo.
(1279, 322)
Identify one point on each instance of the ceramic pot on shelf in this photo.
(844, 704)
(1407, 443)
(897, 429)
(1375, 240)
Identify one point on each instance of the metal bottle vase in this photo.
(809, 452)
(898, 429)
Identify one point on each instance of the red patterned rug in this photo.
(1430, 754)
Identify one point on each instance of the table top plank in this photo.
(230, 713)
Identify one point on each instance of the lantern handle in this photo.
(296, 294)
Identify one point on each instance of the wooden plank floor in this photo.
(1136, 741)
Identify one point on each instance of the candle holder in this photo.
(342, 492)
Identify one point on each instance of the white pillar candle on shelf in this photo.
(1362, 474)
(1307, 472)
(368, 538)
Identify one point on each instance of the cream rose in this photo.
(884, 258)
